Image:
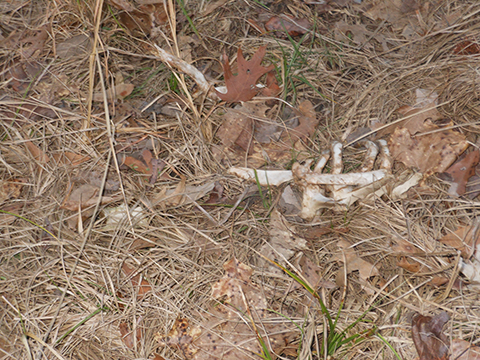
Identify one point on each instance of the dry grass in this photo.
(50, 284)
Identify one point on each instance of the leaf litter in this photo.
(349, 65)
(232, 327)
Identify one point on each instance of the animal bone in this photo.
(344, 189)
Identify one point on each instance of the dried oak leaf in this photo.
(430, 341)
(460, 172)
(242, 87)
(430, 153)
(226, 331)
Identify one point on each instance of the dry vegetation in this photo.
(75, 285)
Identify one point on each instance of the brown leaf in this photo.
(282, 244)
(465, 239)
(216, 195)
(409, 264)
(430, 341)
(358, 34)
(464, 350)
(128, 337)
(353, 262)
(396, 12)
(460, 172)
(243, 86)
(142, 18)
(7, 219)
(143, 285)
(290, 140)
(211, 6)
(140, 161)
(11, 188)
(438, 281)
(37, 153)
(78, 45)
(34, 44)
(182, 194)
(310, 271)
(430, 153)
(473, 185)
(236, 129)
(404, 247)
(272, 89)
(272, 143)
(85, 195)
(70, 158)
(120, 91)
(293, 26)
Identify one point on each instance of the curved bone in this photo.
(370, 156)
(385, 157)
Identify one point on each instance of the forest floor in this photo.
(124, 233)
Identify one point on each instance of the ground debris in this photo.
(231, 328)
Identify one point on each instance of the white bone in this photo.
(345, 189)
(265, 177)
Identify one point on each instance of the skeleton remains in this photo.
(335, 189)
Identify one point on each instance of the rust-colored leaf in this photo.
(430, 341)
(138, 282)
(466, 47)
(243, 86)
(460, 172)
